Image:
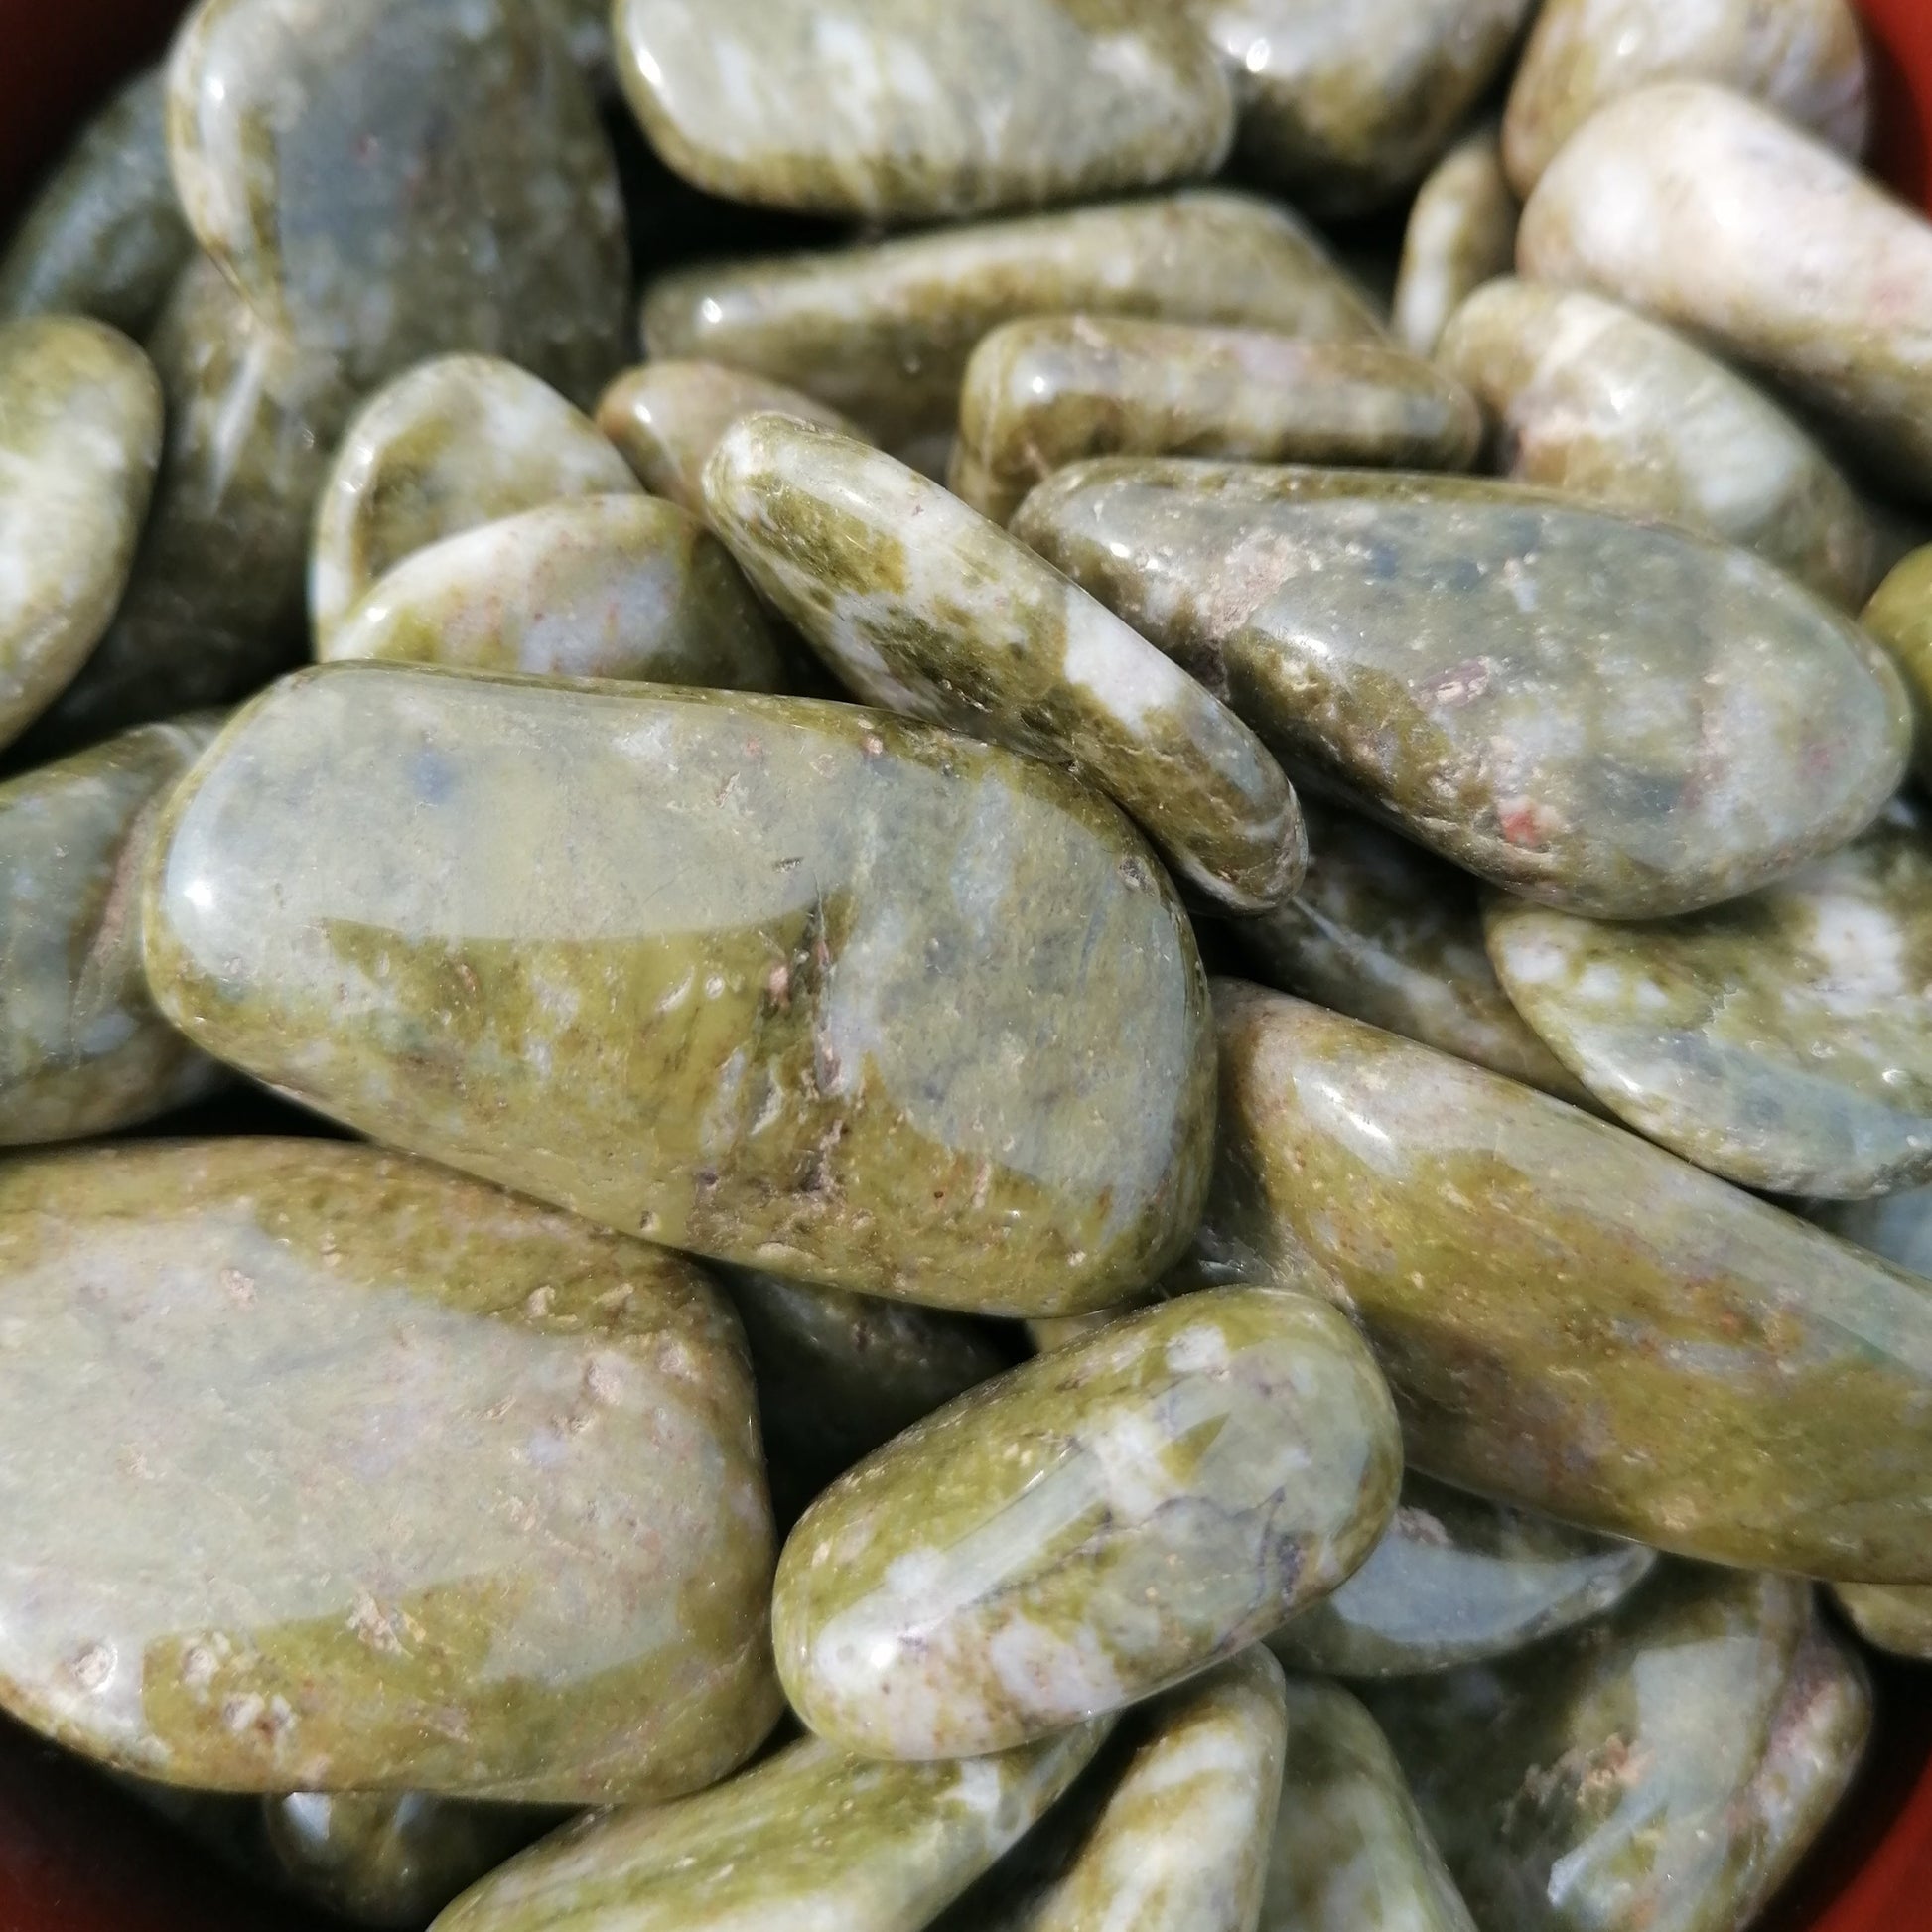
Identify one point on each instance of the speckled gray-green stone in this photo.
(922, 605)
(1900, 616)
(1896, 1619)
(1461, 232)
(332, 1471)
(1574, 1321)
(1661, 1772)
(798, 985)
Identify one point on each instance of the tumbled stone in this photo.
(1900, 616)
(923, 606)
(1710, 213)
(349, 1474)
(81, 420)
(1088, 1528)
(387, 183)
(1458, 1580)
(1661, 1773)
(586, 28)
(1044, 392)
(1896, 1619)
(1461, 232)
(882, 332)
(1601, 715)
(82, 1049)
(456, 443)
(1599, 402)
(811, 1838)
(1578, 1322)
(796, 985)
(105, 236)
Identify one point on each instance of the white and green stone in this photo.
(1461, 233)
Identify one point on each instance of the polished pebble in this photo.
(1461, 232)
(1896, 1619)
(1900, 616)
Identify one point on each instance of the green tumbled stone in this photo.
(586, 28)
(1661, 1772)
(1574, 1321)
(1900, 616)
(1461, 232)
(332, 1471)
(1088, 1528)
(1896, 1619)
(792, 984)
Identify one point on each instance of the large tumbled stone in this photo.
(335, 1471)
(796, 985)
(1461, 232)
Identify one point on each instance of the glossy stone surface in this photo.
(811, 1838)
(1090, 1528)
(921, 606)
(795, 985)
(1600, 715)
(1900, 616)
(1456, 1580)
(1574, 1321)
(1710, 213)
(882, 332)
(1898, 1620)
(330, 1471)
(1599, 402)
(456, 442)
(1461, 232)
(1044, 392)
(1659, 1773)
(82, 1049)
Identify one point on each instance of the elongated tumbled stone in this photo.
(811, 1838)
(1574, 1321)
(796, 985)
(1900, 616)
(1896, 1619)
(1661, 1773)
(1461, 232)
(347, 1473)
(1089, 1528)
(922, 605)
(882, 332)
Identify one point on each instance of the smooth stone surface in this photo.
(1900, 616)
(882, 332)
(921, 606)
(82, 1049)
(1571, 1319)
(610, 587)
(1660, 1773)
(1596, 401)
(1897, 1621)
(455, 442)
(1708, 211)
(1459, 1581)
(1089, 1528)
(330, 1471)
(1044, 392)
(1461, 232)
(1898, 1226)
(811, 1838)
(586, 28)
(81, 420)
(795, 985)
(1783, 1040)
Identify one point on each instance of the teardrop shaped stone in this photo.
(1461, 232)
(1900, 616)
(1897, 1619)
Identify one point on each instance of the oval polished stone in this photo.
(1574, 1321)
(1660, 1773)
(924, 607)
(1599, 402)
(1900, 616)
(1088, 1528)
(1896, 1619)
(328, 1470)
(1459, 1581)
(82, 1049)
(796, 985)
(1461, 232)
(882, 332)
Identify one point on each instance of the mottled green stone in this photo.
(883, 332)
(1900, 616)
(1578, 1322)
(1462, 231)
(1661, 1772)
(1599, 402)
(1458, 1580)
(331, 1471)
(586, 28)
(796, 985)
(1896, 1619)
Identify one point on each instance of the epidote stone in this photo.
(1089, 1528)
(1894, 1620)
(1599, 402)
(331, 1471)
(1661, 1772)
(882, 332)
(796, 985)
(1900, 616)
(456, 442)
(922, 605)
(1710, 213)
(1044, 392)
(82, 1049)
(1462, 231)
(1575, 1321)
(1601, 715)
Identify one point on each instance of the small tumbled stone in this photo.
(1900, 616)
(1461, 232)
(1896, 1619)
